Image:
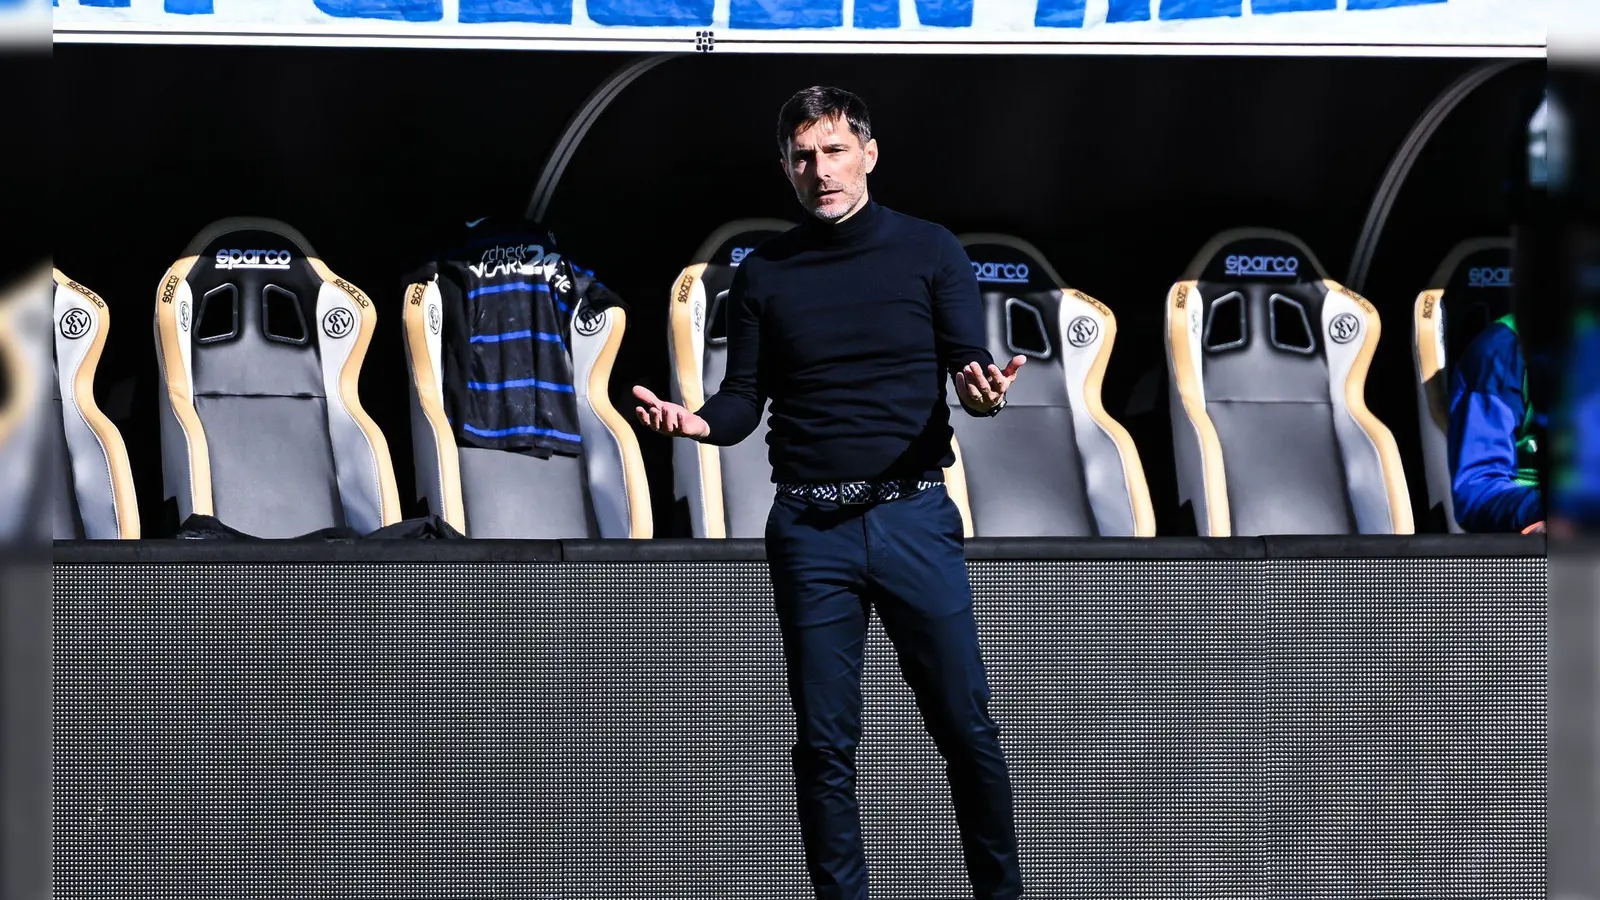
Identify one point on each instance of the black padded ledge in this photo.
(173, 552)
(659, 550)
(1405, 546)
(170, 552)
(1114, 548)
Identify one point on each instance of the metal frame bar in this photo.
(1405, 158)
(578, 126)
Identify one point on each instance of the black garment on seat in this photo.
(199, 527)
(422, 528)
(509, 297)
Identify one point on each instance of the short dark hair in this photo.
(817, 103)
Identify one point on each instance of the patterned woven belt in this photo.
(854, 492)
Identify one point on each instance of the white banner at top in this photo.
(1366, 27)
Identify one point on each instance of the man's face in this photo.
(828, 168)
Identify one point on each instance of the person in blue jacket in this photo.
(1495, 437)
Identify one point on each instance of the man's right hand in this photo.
(668, 418)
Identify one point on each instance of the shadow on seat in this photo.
(1054, 462)
(260, 348)
(1470, 289)
(1268, 362)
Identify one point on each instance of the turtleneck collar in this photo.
(851, 229)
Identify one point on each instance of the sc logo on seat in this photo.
(75, 324)
(338, 322)
(1344, 328)
(1082, 331)
(589, 321)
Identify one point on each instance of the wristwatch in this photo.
(996, 410)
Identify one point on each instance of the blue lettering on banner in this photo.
(1200, 9)
(392, 10)
(1385, 4)
(1128, 11)
(1267, 7)
(547, 12)
(1060, 13)
(933, 13)
(778, 14)
(651, 12)
(768, 14)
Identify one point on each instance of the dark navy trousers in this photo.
(831, 566)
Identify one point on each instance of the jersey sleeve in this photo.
(1486, 410)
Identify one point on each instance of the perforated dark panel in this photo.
(1216, 729)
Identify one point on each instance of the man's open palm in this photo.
(668, 418)
(983, 391)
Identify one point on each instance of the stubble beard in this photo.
(833, 212)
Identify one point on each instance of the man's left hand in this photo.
(982, 391)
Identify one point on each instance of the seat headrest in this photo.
(1029, 310)
(1005, 263)
(713, 267)
(251, 310)
(1022, 297)
(731, 243)
(1479, 268)
(1255, 256)
(253, 279)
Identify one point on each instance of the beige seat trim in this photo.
(1182, 364)
(955, 483)
(429, 398)
(180, 391)
(636, 485)
(1355, 397)
(1426, 353)
(124, 502)
(1144, 516)
(350, 395)
(689, 292)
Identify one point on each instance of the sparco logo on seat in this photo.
(1263, 266)
(1001, 273)
(1489, 277)
(253, 259)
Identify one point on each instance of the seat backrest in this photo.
(94, 496)
(1268, 361)
(729, 490)
(27, 455)
(1054, 462)
(493, 493)
(260, 348)
(1470, 289)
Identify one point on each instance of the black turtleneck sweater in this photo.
(852, 331)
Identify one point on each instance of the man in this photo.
(1495, 436)
(849, 324)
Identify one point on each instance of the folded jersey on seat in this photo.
(508, 299)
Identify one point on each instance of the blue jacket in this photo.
(1494, 435)
(1575, 461)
